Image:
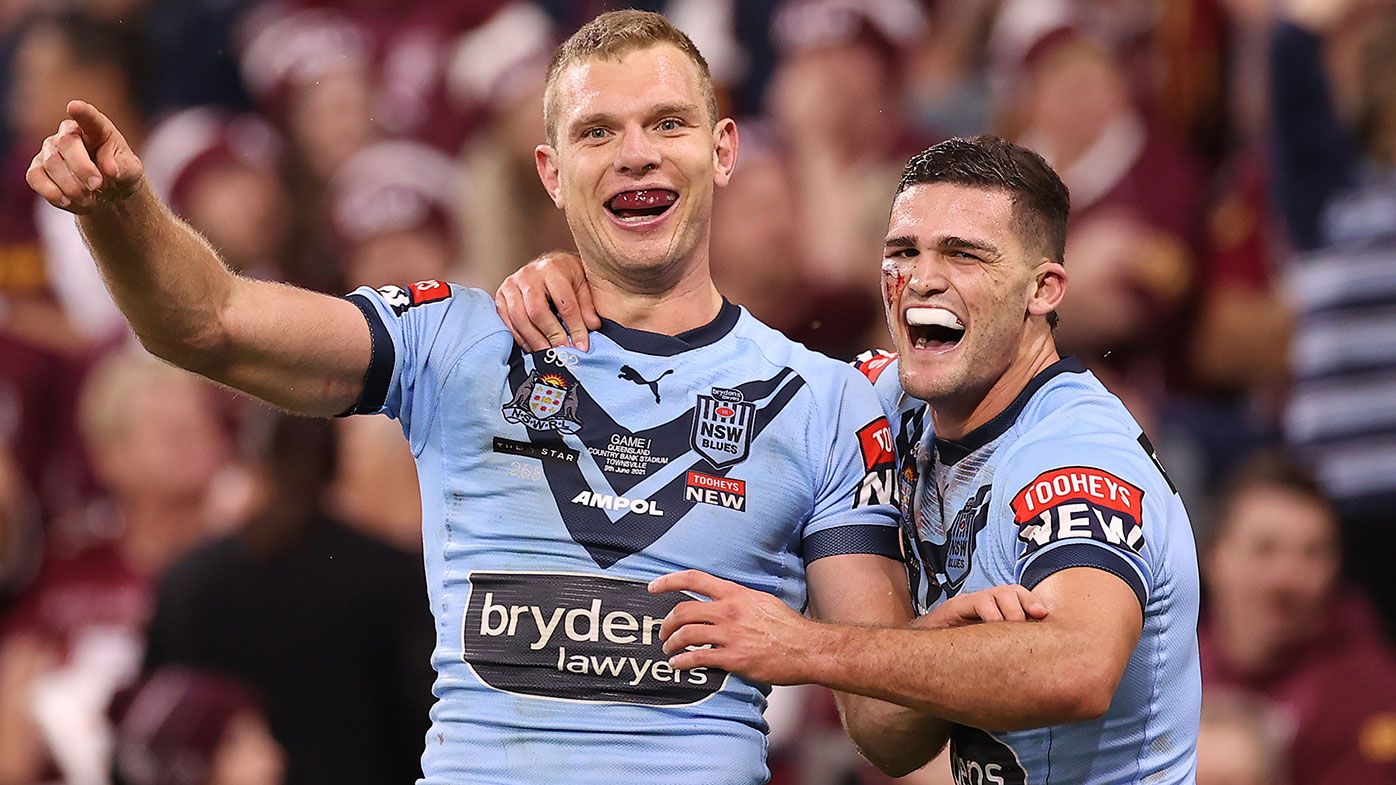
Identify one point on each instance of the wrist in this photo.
(821, 646)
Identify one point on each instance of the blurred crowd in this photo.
(195, 589)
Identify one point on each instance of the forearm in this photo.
(1004, 676)
(300, 350)
(168, 282)
(896, 739)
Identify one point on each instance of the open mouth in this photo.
(642, 205)
(933, 328)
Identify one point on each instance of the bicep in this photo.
(859, 588)
(1096, 607)
(301, 350)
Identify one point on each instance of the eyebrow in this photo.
(952, 241)
(606, 118)
(900, 241)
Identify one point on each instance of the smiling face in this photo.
(636, 159)
(965, 296)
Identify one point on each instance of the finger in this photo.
(96, 128)
(501, 308)
(529, 337)
(44, 186)
(694, 581)
(688, 612)
(1010, 608)
(58, 171)
(589, 315)
(70, 146)
(698, 658)
(540, 314)
(987, 609)
(1036, 609)
(565, 299)
(693, 636)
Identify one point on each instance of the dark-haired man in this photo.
(1015, 466)
(556, 485)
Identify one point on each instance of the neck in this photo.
(160, 530)
(954, 418)
(667, 304)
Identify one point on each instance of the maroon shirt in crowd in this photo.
(1338, 691)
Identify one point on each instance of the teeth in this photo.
(920, 343)
(933, 317)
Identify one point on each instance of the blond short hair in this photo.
(115, 383)
(611, 36)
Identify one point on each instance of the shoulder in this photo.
(1078, 442)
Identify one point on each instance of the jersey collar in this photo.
(951, 452)
(670, 345)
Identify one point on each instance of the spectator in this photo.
(58, 56)
(75, 637)
(509, 217)
(183, 727)
(1239, 743)
(221, 173)
(1336, 186)
(328, 623)
(393, 213)
(838, 100)
(1281, 626)
(1137, 205)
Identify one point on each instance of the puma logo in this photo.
(631, 375)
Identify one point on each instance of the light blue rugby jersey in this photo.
(556, 485)
(1064, 477)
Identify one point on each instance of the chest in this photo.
(625, 454)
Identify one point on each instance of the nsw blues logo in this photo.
(546, 402)
(722, 427)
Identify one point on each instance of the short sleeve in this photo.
(854, 510)
(1082, 503)
(417, 330)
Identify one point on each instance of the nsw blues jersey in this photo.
(556, 485)
(1062, 478)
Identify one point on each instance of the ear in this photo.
(1049, 288)
(725, 144)
(545, 159)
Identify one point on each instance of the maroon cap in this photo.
(189, 143)
(888, 25)
(393, 187)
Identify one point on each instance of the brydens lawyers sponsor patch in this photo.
(1080, 502)
(717, 491)
(577, 637)
(879, 462)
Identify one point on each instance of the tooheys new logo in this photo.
(1079, 502)
(578, 637)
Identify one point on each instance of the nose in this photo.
(928, 276)
(638, 154)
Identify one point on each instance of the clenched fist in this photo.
(86, 164)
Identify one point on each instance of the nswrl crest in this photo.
(546, 402)
(722, 426)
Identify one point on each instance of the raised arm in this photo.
(299, 350)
